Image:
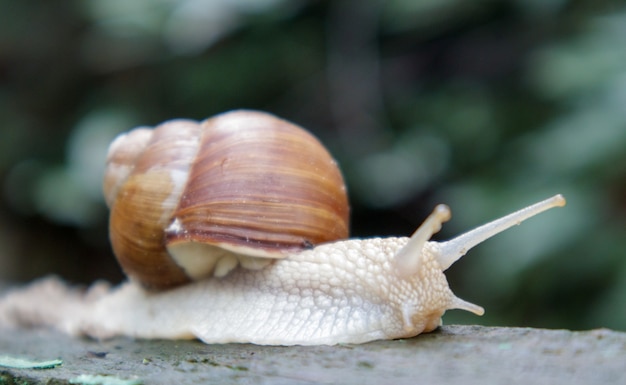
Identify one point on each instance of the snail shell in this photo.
(193, 199)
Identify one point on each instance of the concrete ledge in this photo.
(450, 355)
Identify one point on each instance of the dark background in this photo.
(486, 105)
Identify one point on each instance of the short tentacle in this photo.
(458, 303)
(408, 260)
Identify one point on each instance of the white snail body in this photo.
(350, 291)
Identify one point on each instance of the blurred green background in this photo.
(487, 105)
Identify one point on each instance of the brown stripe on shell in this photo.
(261, 182)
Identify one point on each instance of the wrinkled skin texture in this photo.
(343, 292)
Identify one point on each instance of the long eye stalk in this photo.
(450, 251)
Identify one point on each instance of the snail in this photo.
(337, 291)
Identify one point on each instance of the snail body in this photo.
(298, 281)
(351, 291)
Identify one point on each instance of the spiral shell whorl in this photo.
(146, 200)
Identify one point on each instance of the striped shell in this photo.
(194, 199)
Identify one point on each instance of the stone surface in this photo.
(450, 355)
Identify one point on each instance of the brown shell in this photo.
(241, 187)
